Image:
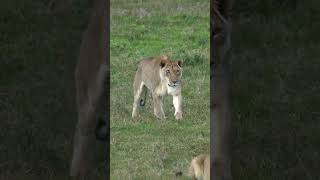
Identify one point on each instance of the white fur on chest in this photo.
(172, 90)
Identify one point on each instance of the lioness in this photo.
(161, 76)
(199, 168)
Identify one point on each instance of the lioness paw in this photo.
(160, 116)
(178, 115)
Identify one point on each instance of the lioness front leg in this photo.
(177, 106)
(157, 106)
(137, 87)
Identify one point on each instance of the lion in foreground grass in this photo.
(199, 168)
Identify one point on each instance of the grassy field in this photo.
(276, 90)
(152, 148)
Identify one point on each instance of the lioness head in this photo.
(170, 71)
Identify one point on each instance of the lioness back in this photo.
(149, 72)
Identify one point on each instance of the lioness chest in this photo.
(163, 89)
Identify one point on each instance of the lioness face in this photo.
(171, 71)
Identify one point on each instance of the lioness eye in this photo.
(167, 71)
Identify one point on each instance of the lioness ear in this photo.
(163, 63)
(164, 57)
(179, 63)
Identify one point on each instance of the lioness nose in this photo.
(174, 82)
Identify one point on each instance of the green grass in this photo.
(152, 148)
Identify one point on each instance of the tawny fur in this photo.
(162, 77)
(90, 76)
(200, 167)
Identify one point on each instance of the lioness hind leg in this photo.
(137, 90)
(157, 106)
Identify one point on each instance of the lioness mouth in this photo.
(174, 85)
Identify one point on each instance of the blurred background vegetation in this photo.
(39, 44)
(276, 89)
